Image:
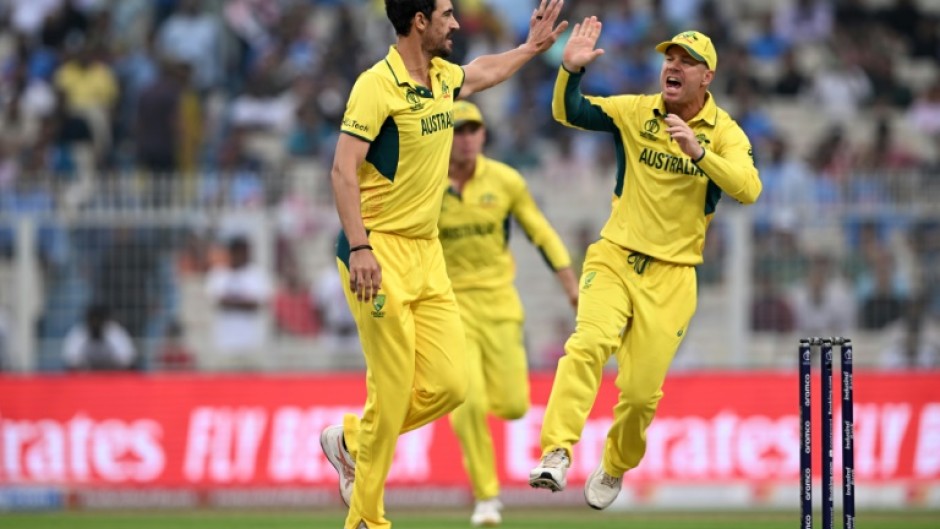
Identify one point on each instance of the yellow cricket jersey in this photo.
(411, 130)
(474, 228)
(663, 202)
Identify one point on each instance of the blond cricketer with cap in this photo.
(483, 197)
(677, 154)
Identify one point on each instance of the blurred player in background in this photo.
(677, 153)
(389, 177)
(484, 195)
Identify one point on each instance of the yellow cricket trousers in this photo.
(416, 363)
(498, 379)
(638, 308)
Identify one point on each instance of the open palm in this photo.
(579, 51)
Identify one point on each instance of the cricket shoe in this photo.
(486, 513)
(601, 489)
(331, 441)
(551, 472)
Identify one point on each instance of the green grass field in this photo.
(551, 519)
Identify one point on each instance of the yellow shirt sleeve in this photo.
(537, 227)
(366, 109)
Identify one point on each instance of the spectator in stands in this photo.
(755, 123)
(90, 91)
(803, 22)
(240, 291)
(28, 100)
(338, 334)
(740, 77)
(834, 156)
(767, 44)
(126, 276)
(901, 17)
(236, 182)
(887, 89)
(63, 23)
(913, 341)
(294, 311)
(173, 354)
(98, 343)
(791, 81)
(158, 120)
(854, 16)
(842, 86)
(924, 241)
(195, 37)
(883, 297)
(886, 155)
(823, 302)
(770, 309)
(925, 38)
(789, 184)
(924, 114)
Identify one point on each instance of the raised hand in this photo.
(580, 52)
(542, 33)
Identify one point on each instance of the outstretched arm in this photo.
(490, 70)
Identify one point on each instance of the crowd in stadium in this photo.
(206, 104)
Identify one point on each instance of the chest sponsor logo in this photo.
(445, 90)
(467, 230)
(437, 123)
(669, 163)
(702, 140)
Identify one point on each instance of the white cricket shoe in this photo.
(551, 472)
(331, 441)
(486, 513)
(601, 489)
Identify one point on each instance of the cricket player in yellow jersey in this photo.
(483, 197)
(389, 176)
(677, 153)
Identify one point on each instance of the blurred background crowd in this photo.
(164, 190)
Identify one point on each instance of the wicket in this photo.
(825, 346)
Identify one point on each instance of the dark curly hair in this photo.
(402, 12)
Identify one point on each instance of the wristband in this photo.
(360, 247)
(699, 159)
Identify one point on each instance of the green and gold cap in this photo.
(698, 45)
(466, 112)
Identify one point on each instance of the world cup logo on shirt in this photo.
(650, 129)
(414, 100)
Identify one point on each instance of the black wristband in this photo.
(360, 247)
(699, 159)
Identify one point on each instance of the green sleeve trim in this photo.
(621, 154)
(712, 196)
(582, 113)
(354, 135)
(384, 152)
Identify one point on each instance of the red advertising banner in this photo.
(205, 431)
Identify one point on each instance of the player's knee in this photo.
(591, 342)
(512, 410)
(640, 398)
(454, 391)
